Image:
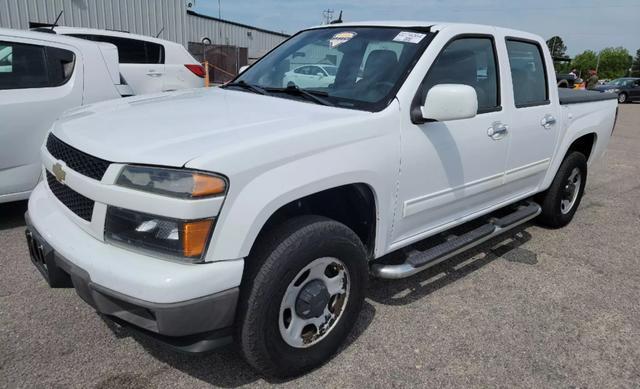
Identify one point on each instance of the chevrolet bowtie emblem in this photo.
(59, 173)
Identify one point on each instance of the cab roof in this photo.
(432, 25)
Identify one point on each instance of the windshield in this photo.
(363, 66)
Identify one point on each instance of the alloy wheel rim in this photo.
(570, 191)
(314, 302)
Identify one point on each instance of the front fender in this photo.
(373, 161)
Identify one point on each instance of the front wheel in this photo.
(301, 295)
(560, 201)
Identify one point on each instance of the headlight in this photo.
(612, 90)
(181, 183)
(173, 238)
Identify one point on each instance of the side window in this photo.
(528, 73)
(302, 70)
(60, 64)
(131, 50)
(22, 66)
(315, 70)
(469, 61)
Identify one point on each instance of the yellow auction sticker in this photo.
(341, 38)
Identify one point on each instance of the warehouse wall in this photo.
(145, 17)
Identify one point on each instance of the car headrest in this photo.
(379, 62)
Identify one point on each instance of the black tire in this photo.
(550, 200)
(270, 268)
(623, 98)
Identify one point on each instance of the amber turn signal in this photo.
(206, 185)
(194, 237)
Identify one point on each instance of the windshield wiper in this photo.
(293, 89)
(245, 85)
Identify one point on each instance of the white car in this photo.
(263, 226)
(42, 75)
(311, 76)
(148, 65)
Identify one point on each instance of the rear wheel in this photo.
(302, 292)
(622, 98)
(560, 201)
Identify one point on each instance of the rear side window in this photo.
(24, 66)
(470, 61)
(303, 70)
(130, 50)
(528, 73)
(60, 65)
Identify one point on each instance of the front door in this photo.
(451, 170)
(634, 92)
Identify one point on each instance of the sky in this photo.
(582, 24)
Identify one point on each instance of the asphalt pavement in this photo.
(538, 308)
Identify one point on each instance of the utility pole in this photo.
(327, 16)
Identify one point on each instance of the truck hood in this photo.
(171, 129)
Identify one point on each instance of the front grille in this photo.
(73, 200)
(77, 160)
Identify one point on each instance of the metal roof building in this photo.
(146, 17)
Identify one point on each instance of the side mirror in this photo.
(320, 75)
(242, 69)
(450, 102)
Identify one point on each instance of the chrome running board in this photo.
(418, 261)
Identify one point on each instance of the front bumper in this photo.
(192, 326)
(180, 304)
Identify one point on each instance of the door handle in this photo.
(154, 74)
(547, 121)
(497, 131)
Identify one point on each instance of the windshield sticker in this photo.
(409, 37)
(341, 38)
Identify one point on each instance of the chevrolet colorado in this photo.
(256, 212)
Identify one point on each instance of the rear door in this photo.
(536, 120)
(141, 62)
(38, 81)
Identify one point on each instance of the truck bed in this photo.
(572, 96)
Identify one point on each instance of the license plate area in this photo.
(43, 257)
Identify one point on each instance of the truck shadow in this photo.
(223, 367)
(408, 290)
(12, 214)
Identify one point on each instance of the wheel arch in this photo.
(584, 142)
(353, 205)
(353, 202)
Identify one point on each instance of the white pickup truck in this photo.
(256, 212)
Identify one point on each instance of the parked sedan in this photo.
(311, 76)
(628, 89)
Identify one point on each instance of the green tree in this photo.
(614, 62)
(557, 47)
(584, 61)
(635, 67)
(558, 50)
